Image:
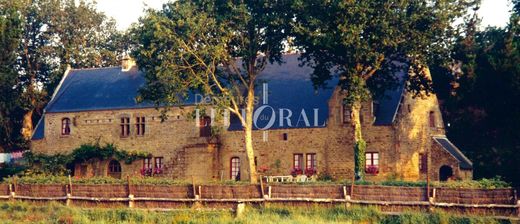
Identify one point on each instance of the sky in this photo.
(126, 12)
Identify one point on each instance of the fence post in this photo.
(131, 202)
(262, 186)
(347, 197)
(11, 192)
(67, 195)
(269, 192)
(518, 208)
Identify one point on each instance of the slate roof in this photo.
(445, 143)
(39, 132)
(389, 103)
(289, 87)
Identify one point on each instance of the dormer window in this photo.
(65, 126)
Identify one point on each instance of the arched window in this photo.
(114, 169)
(235, 168)
(432, 119)
(65, 126)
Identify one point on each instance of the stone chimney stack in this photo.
(127, 63)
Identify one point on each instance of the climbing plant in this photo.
(58, 164)
(359, 156)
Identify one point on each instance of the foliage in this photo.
(359, 158)
(480, 94)
(24, 212)
(10, 170)
(217, 49)
(50, 35)
(58, 164)
(10, 110)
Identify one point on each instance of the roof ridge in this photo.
(94, 68)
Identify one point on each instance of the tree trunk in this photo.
(248, 132)
(360, 144)
(27, 126)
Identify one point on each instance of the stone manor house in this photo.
(405, 135)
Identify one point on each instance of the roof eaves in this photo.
(454, 147)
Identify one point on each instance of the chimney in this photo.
(127, 63)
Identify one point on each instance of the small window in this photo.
(65, 126)
(285, 136)
(114, 169)
(158, 162)
(432, 119)
(235, 168)
(125, 126)
(205, 127)
(423, 162)
(140, 125)
(311, 161)
(147, 163)
(346, 114)
(298, 161)
(372, 163)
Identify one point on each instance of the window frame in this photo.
(124, 130)
(311, 161)
(372, 161)
(140, 125)
(345, 114)
(298, 158)
(65, 126)
(431, 119)
(423, 163)
(234, 167)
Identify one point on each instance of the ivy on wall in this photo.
(59, 164)
(359, 156)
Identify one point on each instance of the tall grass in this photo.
(21, 212)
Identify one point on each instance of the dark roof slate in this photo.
(445, 143)
(289, 87)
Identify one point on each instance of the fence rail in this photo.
(499, 201)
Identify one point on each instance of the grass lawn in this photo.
(20, 212)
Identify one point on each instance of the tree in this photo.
(217, 48)
(363, 40)
(57, 33)
(483, 109)
(10, 35)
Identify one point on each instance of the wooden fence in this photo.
(497, 202)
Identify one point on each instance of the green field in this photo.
(20, 212)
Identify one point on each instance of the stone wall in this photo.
(186, 155)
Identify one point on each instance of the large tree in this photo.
(481, 99)
(55, 34)
(364, 40)
(10, 36)
(217, 48)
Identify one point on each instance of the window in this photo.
(147, 163)
(205, 127)
(298, 161)
(125, 126)
(372, 163)
(140, 125)
(311, 161)
(346, 114)
(147, 167)
(158, 162)
(114, 169)
(235, 168)
(285, 136)
(423, 163)
(65, 126)
(432, 119)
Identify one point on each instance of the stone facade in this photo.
(185, 155)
